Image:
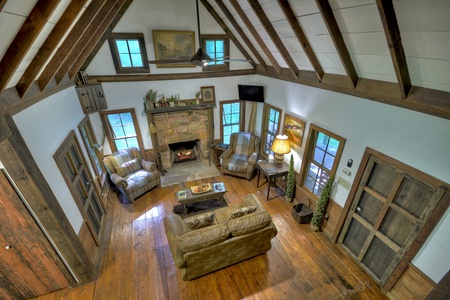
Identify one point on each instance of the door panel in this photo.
(389, 209)
(27, 259)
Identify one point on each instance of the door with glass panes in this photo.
(74, 169)
(388, 210)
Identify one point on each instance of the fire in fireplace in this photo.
(184, 151)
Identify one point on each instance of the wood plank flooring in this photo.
(136, 262)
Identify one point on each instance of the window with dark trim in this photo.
(270, 127)
(217, 47)
(128, 52)
(232, 114)
(321, 158)
(122, 129)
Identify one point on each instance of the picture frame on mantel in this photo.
(172, 44)
(294, 129)
(208, 94)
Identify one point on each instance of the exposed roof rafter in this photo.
(2, 4)
(227, 31)
(259, 11)
(390, 25)
(255, 35)
(68, 45)
(49, 45)
(24, 39)
(301, 37)
(241, 33)
(338, 40)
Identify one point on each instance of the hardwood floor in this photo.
(136, 262)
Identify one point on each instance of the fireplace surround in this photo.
(177, 125)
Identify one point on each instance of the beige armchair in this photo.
(131, 174)
(241, 156)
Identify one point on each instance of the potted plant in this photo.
(197, 97)
(172, 100)
(290, 184)
(318, 214)
(150, 98)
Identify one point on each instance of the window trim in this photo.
(115, 54)
(241, 115)
(264, 124)
(226, 65)
(308, 150)
(104, 118)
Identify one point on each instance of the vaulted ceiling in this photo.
(395, 52)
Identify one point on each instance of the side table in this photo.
(271, 172)
(219, 148)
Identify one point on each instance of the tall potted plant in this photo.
(290, 184)
(318, 214)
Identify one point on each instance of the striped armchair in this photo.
(240, 158)
(131, 174)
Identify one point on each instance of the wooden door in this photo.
(29, 265)
(73, 167)
(389, 209)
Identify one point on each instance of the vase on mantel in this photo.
(197, 101)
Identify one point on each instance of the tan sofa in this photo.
(197, 252)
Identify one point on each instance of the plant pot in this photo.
(171, 104)
(301, 213)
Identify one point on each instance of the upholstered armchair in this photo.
(240, 157)
(131, 174)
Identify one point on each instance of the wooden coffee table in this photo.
(218, 190)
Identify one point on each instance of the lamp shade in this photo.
(200, 58)
(281, 145)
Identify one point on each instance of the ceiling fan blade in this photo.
(169, 61)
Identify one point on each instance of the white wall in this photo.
(44, 126)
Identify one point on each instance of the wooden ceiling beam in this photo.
(228, 32)
(301, 37)
(49, 45)
(67, 46)
(265, 22)
(2, 4)
(255, 35)
(24, 39)
(338, 40)
(392, 32)
(105, 36)
(101, 30)
(83, 42)
(241, 33)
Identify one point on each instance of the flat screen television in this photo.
(254, 93)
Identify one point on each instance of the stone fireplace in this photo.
(184, 151)
(191, 128)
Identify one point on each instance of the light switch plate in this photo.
(344, 183)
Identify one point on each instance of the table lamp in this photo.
(280, 147)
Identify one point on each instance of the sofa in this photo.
(241, 156)
(213, 240)
(131, 174)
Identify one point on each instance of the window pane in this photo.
(319, 155)
(210, 47)
(132, 142)
(114, 120)
(127, 119)
(322, 141)
(137, 60)
(134, 46)
(333, 146)
(121, 144)
(328, 162)
(129, 130)
(125, 60)
(118, 132)
(122, 46)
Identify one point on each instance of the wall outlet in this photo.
(344, 183)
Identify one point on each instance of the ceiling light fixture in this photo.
(200, 57)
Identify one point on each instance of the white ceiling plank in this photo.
(422, 44)
(359, 19)
(304, 7)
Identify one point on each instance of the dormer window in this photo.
(128, 53)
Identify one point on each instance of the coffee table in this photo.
(218, 190)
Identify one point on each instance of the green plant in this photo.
(172, 98)
(290, 184)
(197, 95)
(318, 214)
(151, 95)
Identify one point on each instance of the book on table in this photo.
(219, 187)
(181, 194)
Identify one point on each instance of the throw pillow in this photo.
(128, 167)
(200, 221)
(242, 212)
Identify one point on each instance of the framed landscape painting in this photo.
(294, 128)
(171, 44)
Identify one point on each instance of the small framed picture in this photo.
(208, 94)
(293, 128)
